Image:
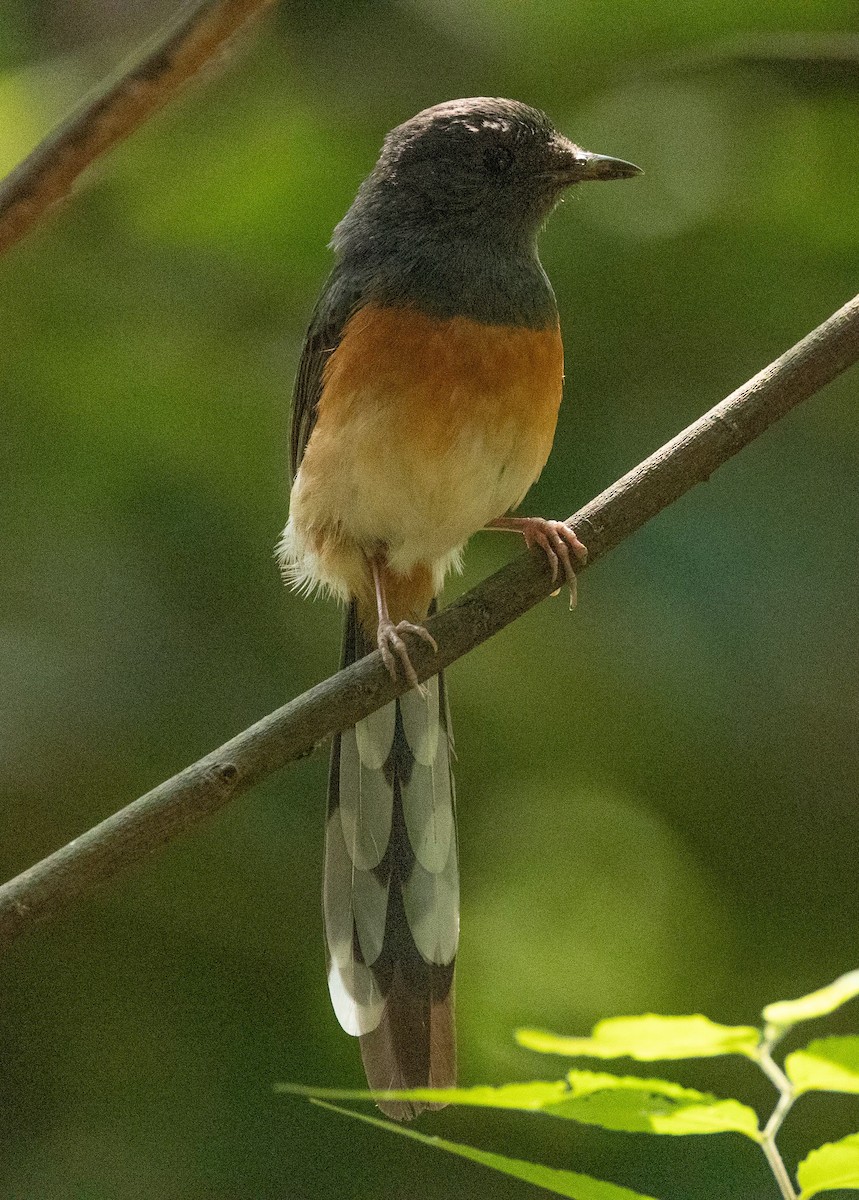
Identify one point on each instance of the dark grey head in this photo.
(458, 195)
(480, 166)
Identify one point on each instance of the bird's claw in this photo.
(556, 539)
(393, 648)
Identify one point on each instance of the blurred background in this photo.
(657, 793)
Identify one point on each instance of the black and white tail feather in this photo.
(391, 891)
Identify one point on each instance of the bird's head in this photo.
(481, 166)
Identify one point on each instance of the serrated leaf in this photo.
(558, 1182)
(648, 1038)
(784, 1013)
(830, 1167)
(826, 1065)
(632, 1105)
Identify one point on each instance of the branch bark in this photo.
(176, 806)
(47, 175)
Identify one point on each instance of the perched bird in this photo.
(424, 408)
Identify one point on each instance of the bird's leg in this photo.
(388, 637)
(556, 538)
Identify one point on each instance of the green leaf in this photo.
(648, 1038)
(560, 1183)
(784, 1013)
(525, 1097)
(660, 1106)
(827, 1065)
(614, 1102)
(830, 1167)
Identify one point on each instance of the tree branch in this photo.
(176, 806)
(175, 55)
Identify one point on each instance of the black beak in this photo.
(574, 165)
(600, 166)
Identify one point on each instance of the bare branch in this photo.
(47, 175)
(176, 806)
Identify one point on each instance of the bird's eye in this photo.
(498, 159)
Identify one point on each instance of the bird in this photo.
(424, 407)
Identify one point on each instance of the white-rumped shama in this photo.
(424, 408)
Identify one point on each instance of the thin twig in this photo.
(786, 1097)
(54, 884)
(173, 57)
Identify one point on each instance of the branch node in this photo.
(224, 774)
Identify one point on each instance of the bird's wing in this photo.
(338, 300)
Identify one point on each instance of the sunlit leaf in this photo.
(830, 1167)
(623, 1103)
(661, 1106)
(525, 1097)
(826, 1065)
(560, 1183)
(784, 1013)
(648, 1038)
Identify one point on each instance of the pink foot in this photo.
(556, 539)
(392, 647)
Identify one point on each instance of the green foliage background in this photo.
(657, 793)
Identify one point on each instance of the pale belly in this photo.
(386, 493)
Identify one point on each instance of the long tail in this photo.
(391, 892)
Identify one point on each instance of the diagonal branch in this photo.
(46, 176)
(176, 806)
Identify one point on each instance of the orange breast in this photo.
(443, 373)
